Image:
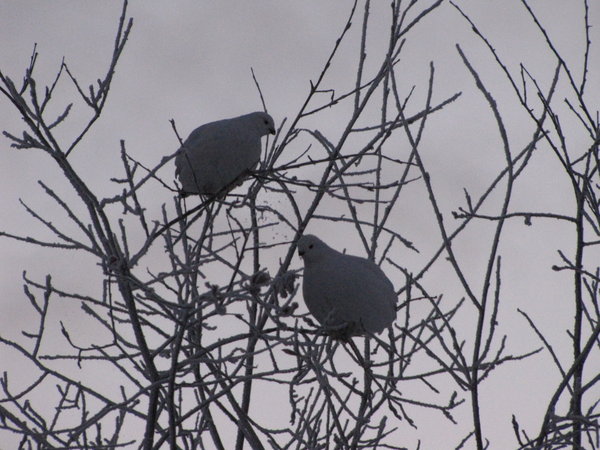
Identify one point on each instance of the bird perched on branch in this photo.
(348, 295)
(217, 153)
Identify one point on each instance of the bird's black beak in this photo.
(272, 130)
(301, 253)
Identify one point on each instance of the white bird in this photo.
(346, 293)
(217, 153)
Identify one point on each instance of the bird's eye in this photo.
(266, 122)
(310, 246)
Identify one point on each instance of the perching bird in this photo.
(348, 295)
(217, 153)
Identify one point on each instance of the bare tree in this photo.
(578, 426)
(201, 304)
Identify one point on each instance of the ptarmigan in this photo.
(217, 153)
(348, 295)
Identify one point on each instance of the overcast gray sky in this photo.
(191, 60)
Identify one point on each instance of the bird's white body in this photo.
(345, 291)
(217, 153)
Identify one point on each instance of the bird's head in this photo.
(311, 248)
(265, 122)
